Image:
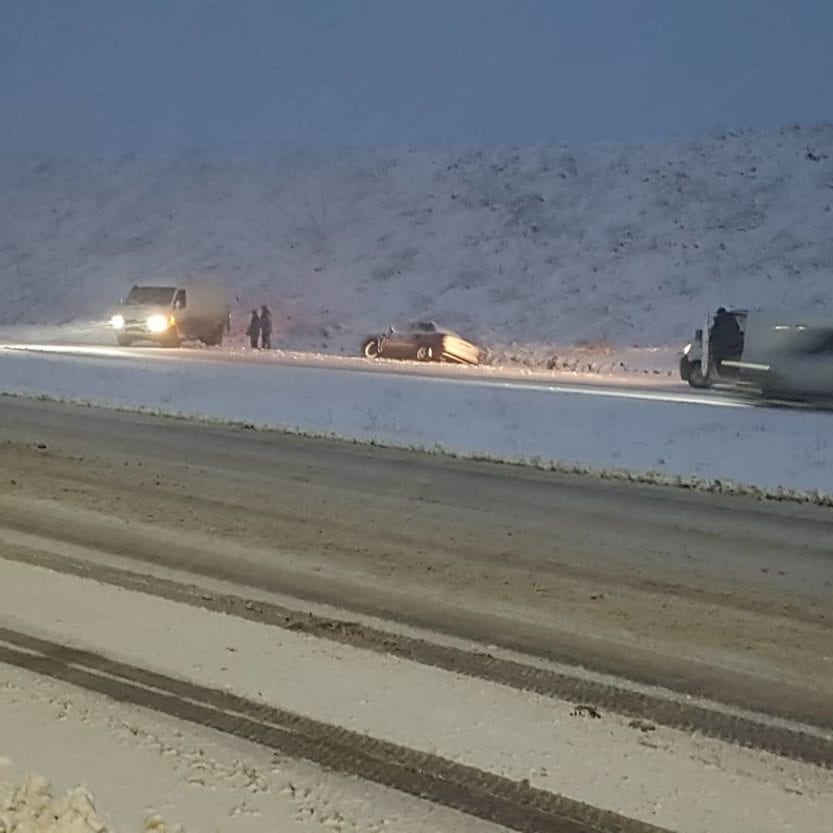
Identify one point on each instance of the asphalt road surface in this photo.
(710, 593)
(702, 612)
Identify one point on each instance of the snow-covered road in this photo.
(664, 432)
(520, 746)
(654, 369)
(188, 610)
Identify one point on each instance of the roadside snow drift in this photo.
(32, 807)
(685, 439)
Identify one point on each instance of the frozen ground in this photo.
(542, 252)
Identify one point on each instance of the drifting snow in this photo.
(530, 249)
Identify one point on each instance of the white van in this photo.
(171, 314)
(784, 354)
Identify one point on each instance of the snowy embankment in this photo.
(533, 250)
(692, 441)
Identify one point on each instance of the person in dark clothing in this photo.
(253, 330)
(265, 328)
(726, 337)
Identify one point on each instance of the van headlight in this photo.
(117, 322)
(158, 323)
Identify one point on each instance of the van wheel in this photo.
(215, 339)
(696, 378)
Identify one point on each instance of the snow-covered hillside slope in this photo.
(533, 245)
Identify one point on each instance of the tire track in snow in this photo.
(512, 804)
(788, 739)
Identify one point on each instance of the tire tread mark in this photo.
(491, 797)
(688, 717)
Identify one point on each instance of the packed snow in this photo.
(115, 768)
(534, 250)
(513, 733)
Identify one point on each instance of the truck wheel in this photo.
(370, 349)
(696, 378)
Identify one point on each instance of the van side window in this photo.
(179, 299)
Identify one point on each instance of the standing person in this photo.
(265, 328)
(725, 338)
(253, 330)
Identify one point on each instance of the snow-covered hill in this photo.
(540, 245)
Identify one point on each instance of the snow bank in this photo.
(549, 244)
(32, 807)
(687, 440)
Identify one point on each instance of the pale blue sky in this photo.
(112, 76)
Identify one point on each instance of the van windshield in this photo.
(150, 295)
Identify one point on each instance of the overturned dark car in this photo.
(423, 341)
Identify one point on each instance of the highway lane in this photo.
(654, 386)
(722, 598)
(528, 650)
(505, 741)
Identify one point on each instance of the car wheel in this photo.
(370, 349)
(695, 376)
(124, 341)
(424, 354)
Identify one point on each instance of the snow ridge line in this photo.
(650, 477)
